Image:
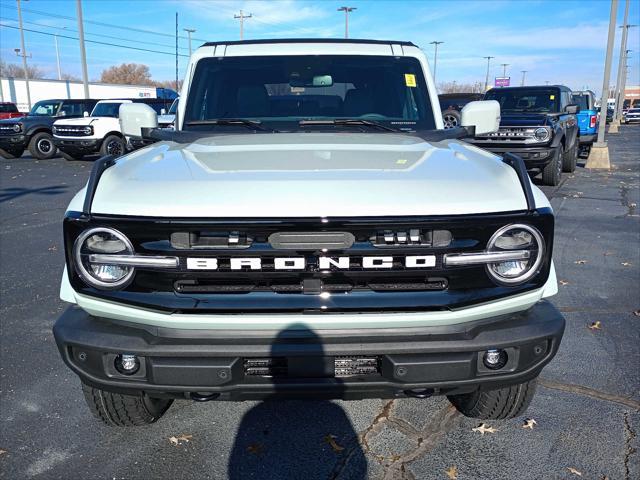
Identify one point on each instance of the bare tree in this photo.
(71, 77)
(13, 70)
(455, 87)
(168, 84)
(127, 74)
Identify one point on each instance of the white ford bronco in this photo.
(308, 230)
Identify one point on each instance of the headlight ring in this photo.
(519, 271)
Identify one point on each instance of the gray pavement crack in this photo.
(628, 450)
(589, 392)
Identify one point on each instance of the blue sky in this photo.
(560, 41)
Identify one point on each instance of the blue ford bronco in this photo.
(587, 119)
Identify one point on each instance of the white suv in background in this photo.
(99, 132)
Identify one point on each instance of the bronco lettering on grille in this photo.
(301, 263)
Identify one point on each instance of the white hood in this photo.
(308, 175)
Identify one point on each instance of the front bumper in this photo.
(75, 147)
(631, 119)
(18, 141)
(409, 361)
(534, 157)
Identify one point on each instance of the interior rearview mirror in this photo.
(136, 116)
(310, 82)
(482, 115)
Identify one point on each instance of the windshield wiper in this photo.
(348, 121)
(252, 124)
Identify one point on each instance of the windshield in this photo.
(46, 108)
(524, 100)
(288, 89)
(173, 108)
(109, 109)
(581, 100)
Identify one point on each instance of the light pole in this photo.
(435, 58)
(189, 32)
(346, 11)
(599, 154)
(55, 39)
(621, 61)
(23, 53)
(486, 80)
(524, 73)
(83, 53)
(504, 69)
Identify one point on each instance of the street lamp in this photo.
(346, 11)
(504, 69)
(435, 58)
(23, 54)
(486, 80)
(524, 73)
(189, 32)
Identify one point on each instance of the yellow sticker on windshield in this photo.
(410, 79)
(552, 97)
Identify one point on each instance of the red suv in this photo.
(9, 110)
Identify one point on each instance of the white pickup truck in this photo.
(308, 230)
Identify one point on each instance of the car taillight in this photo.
(592, 121)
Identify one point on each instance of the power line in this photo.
(94, 34)
(94, 41)
(102, 24)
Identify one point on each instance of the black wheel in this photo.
(41, 146)
(71, 158)
(119, 410)
(113, 145)
(508, 402)
(552, 172)
(451, 119)
(570, 159)
(14, 153)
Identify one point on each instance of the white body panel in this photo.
(101, 125)
(309, 175)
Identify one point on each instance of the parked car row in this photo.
(74, 127)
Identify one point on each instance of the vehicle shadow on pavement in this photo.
(7, 194)
(302, 439)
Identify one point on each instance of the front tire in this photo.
(9, 154)
(552, 172)
(570, 159)
(117, 410)
(41, 146)
(113, 145)
(507, 402)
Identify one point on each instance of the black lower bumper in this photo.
(304, 363)
(78, 147)
(534, 157)
(12, 143)
(587, 139)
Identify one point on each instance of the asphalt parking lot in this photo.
(587, 409)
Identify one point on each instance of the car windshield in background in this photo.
(288, 89)
(106, 110)
(520, 100)
(45, 108)
(582, 101)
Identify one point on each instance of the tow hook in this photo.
(198, 397)
(419, 393)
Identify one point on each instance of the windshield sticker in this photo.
(552, 97)
(410, 79)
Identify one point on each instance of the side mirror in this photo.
(85, 114)
(136, 116)
(572, 108)
(482, 115)
(163, 111)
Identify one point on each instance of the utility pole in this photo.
(435, 59)
(599, 154)
(625, 74)
(524, 73)
(621, 61)
(504, 69)
(55, 38)
(189, 32)
(83, 53)
(346, 11)
(23, 54)
(486, 80)
(242, 16)
(176, 51)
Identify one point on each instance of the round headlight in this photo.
(102, 241)
(17, 127)
(516, 238)
(87, 130)
(541, 134)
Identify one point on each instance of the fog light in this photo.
(494, 359)
(127, 364)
